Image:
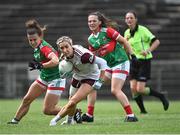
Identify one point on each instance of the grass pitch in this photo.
(109, 117)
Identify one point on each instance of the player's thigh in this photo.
(133, 84)
(54, 91)
(51, 100)
(82, 93)
(35, 90)
(117, 84)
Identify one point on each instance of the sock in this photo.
(69, 119)
(139, 101)
(128, 110)
(90, 110)
(156, 94)
(56, 118)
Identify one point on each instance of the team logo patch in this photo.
(91, 59)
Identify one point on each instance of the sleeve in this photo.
(102, 64)
(148, 35)
(46, 51)
(112, 33)
(87, 58)
(92, 59)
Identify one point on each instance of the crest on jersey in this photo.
(91, 59)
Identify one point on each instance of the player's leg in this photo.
(35, 90)
(144, 75)
(161, 96)
(137, 96)
(91, 99)
(150, 92)
(54, 91)
(70, 117)
(119, 75)
(116, 89)
(50, 104)
(82, 93)
(134, 75)
(75, 114)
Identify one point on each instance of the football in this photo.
(65, 66)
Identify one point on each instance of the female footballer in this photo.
(107, 43)
(87, 68)
(46, 61)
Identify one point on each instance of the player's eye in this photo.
(32, 40)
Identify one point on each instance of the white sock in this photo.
(130, 115)
(69, 119)
(89, 115)
(56, 118)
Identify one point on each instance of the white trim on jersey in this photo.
(118, 36)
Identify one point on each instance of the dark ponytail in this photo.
(106, 22)
(33, 27)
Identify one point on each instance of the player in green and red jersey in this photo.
(46, 61)
(107, 43)
(143, 42)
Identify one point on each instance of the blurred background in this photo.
(69, 17)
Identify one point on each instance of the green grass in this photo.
(109, 117)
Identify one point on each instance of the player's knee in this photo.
(133, 88)
(114, 92)
(47, 111)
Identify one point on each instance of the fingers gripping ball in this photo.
(65, 67)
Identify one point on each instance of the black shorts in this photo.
(141, 71)
(77, 83)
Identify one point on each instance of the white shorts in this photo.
(56, 86)
(120, 71)
(72, 91)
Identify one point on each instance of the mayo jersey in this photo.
(83, 66)
(41, 53)
(104, 42)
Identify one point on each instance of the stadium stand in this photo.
(70, 18)
(63, 18)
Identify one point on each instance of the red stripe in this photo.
(40, 83)
(121, 71)
(109, 71)
(56, 88)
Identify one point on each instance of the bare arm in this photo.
(125, 43)
(54, 61)
(154, 45)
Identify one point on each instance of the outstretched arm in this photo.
(125, 43)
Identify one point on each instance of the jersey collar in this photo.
(132, 32)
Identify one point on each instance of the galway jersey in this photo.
(140, 41)
(41, 53)
(83, 68)
(104, 44)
